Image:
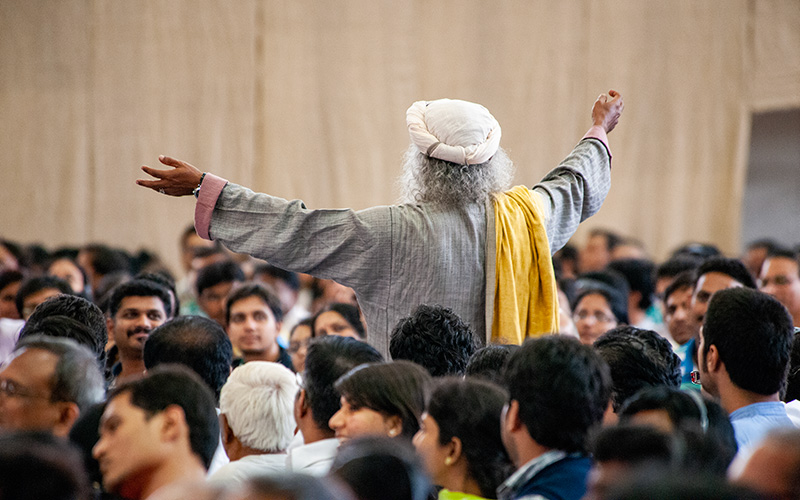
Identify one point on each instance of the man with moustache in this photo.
(135, 309)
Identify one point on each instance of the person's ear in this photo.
(394, 425)
(301, 408)
(712, 359)
(173, 423)
(512, 422)
(68, 413)
(454, 450)
(225, 430)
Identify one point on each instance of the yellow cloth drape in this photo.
(526, 297)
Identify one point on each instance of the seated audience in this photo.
(72, 317)
(381, 399)
(343, 320)
(253, 317)
(379, 468)
(317, 401)
(299, 337)
(10, 282)
(622, 451)
(642, 309)
(558, 391)
(598, 308)
(69, 271)
(780, 277)
(136, 308)
(596, 253)
(667, 271)
(435, 338)
(156, 431)
(100, 261)
(672, 410)
(34, 291)
(743, 357)
(40, 466)
(46, 383)
(488, 362)
(637, 359)
(287, 286)
(681, 324)
(214, 283)
(459, 439)
(757, 252)
(256, 420)
(713, 275)
(291, 486)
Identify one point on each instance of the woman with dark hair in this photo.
(459, 439)
(343, 320)
(597, 310)
(381, 399)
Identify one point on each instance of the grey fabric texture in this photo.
(398, 257)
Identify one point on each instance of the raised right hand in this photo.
(605, 112)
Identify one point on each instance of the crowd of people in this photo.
(452, 347)
(242, 380)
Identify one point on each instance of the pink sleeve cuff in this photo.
(597, 132)
(206, 201)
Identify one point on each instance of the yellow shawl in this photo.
(526, 297)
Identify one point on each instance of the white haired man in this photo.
(256, 420)
(462, 240)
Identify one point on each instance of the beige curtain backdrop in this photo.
(306, 99)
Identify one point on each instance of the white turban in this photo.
(452, 130)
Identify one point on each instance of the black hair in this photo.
(562, 388)
(288, 277)
(164, 279)
(225, 271)
(692, 413)
(435, 338)
(106, 260)
(138, 288)
(753, 334)
(37, 465)
(381, 468)
(682, 280)
(616, 302)
(639, 275)
(296, 486)
(169, 385)
(702, 251)
(259, 290)
(633, 445)
(76, 376)
(38, 283)
(196, 342)
(10, 276)
(677, 265)
(792, 391)
(637, 359)
(488, 362)
(349, 312)
(612, 238)
(730, 267)
(72, 317)
(398, 388)
(327, 359)
(470, 409)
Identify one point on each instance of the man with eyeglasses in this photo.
(46, 383)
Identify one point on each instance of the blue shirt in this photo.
(752, 422)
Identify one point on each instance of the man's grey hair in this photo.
(76, 378)
(439, 182)
(258, 403)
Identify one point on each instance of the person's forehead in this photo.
(714, 281)
(593, 300)
(249, 303)
(31, 367)
(120, 406)
(141, 302)
(780, 265)
(679, 295)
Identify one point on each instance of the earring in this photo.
(448, 461)
(392, 433)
